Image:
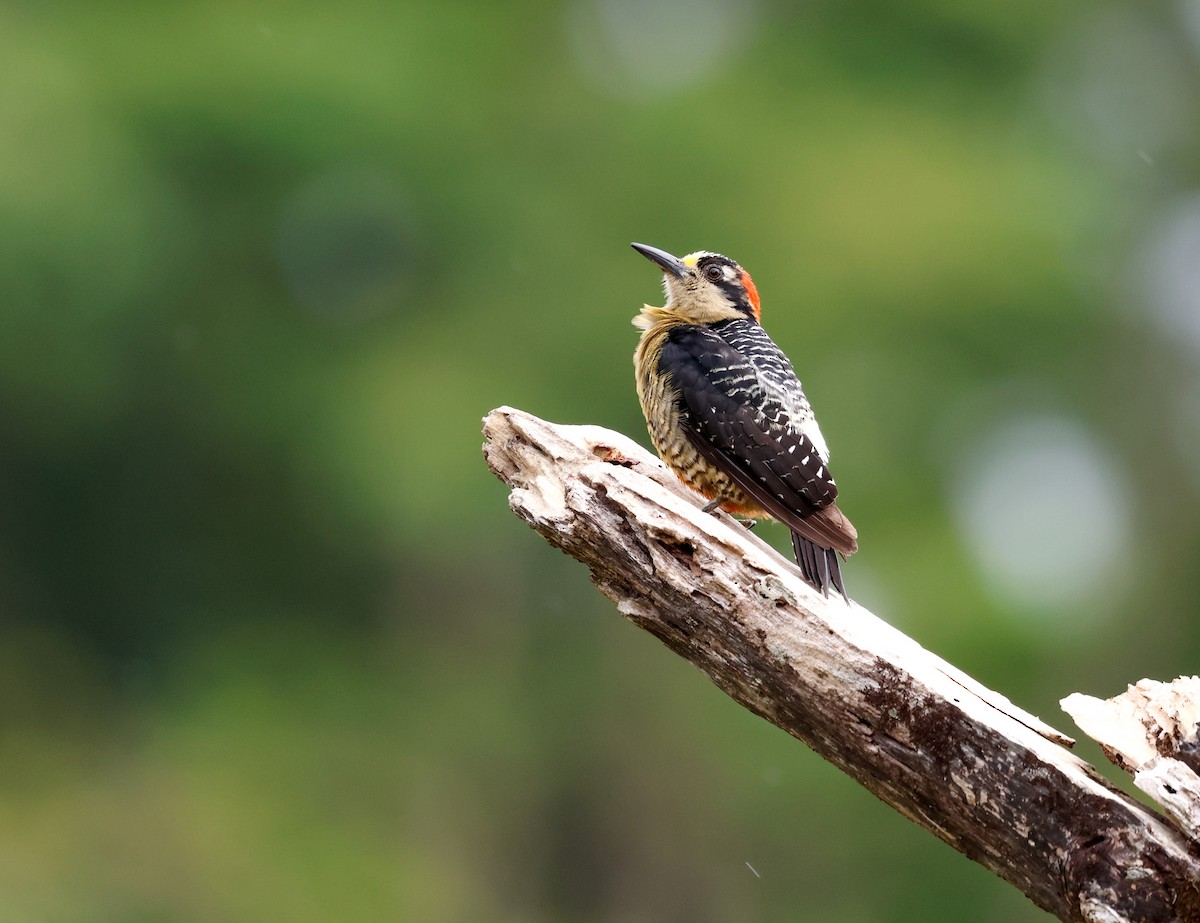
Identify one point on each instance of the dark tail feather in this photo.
(803, 550)
(835, 572)
(819, 566)
(806, 557)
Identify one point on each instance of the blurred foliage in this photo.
(272, 647)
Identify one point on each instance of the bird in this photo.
(728, 415)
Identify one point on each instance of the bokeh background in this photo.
(272, 646)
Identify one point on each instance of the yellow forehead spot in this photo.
(690, 261)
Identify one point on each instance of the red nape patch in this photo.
(752, 293)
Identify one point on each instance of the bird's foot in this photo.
(712, 506)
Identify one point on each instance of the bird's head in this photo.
(704, 287)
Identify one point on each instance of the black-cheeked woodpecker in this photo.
(727, 413)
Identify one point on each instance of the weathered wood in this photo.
(947, 753)
(1152, 730)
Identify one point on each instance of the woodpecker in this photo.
(727, 414)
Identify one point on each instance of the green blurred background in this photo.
(271, 645)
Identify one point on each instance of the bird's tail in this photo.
(819, 566)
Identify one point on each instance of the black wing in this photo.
(750, 436)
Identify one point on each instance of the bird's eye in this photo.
(713, 273)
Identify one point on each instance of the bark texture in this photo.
(1152, 730)
(958, 759)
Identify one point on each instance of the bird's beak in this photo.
(671, 265)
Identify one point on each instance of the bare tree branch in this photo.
(1152, 730)
(956, 758)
